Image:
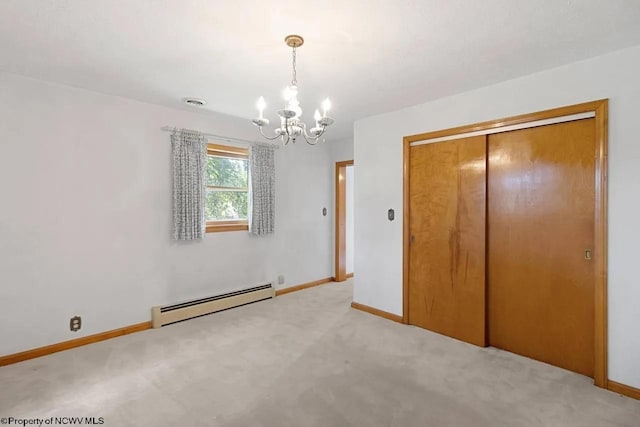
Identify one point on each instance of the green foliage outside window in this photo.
(230, 200)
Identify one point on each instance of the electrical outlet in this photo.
(75, 323)
(281, 280)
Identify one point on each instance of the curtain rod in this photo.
(223, 138)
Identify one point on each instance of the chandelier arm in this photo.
(310, 140)
(322, 131)
(308, 137)
(313, 140)
(265, 136)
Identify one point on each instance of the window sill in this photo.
(219, 226)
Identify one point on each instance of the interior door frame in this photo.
(600, 110)
(341, 217)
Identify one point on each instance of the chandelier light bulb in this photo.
(326, 106)
(261, 105)
(317, 116)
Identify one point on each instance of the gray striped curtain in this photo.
(263, 194)
(189, 167)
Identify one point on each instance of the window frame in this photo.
(212, 226)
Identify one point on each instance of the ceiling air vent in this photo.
(195, 102)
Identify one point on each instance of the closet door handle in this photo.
(587, 254)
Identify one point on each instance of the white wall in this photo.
(349, 230)
(341, 150)
(378, 149)
(303, 249)
(85, 215)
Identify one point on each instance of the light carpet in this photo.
(304, 359)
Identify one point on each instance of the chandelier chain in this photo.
(294, 81)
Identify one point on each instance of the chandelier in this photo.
(291, 127)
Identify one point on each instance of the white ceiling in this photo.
(368, 56)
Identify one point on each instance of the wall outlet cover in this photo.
(75, 323)
(281, 280)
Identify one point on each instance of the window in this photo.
(227, 194)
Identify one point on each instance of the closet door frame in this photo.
(599, 111)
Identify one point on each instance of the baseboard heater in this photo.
(167, 314)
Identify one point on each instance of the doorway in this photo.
(344, 225)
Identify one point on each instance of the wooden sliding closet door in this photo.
(540, 243)
(447, 192)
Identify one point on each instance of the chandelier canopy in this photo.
(291, 126)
